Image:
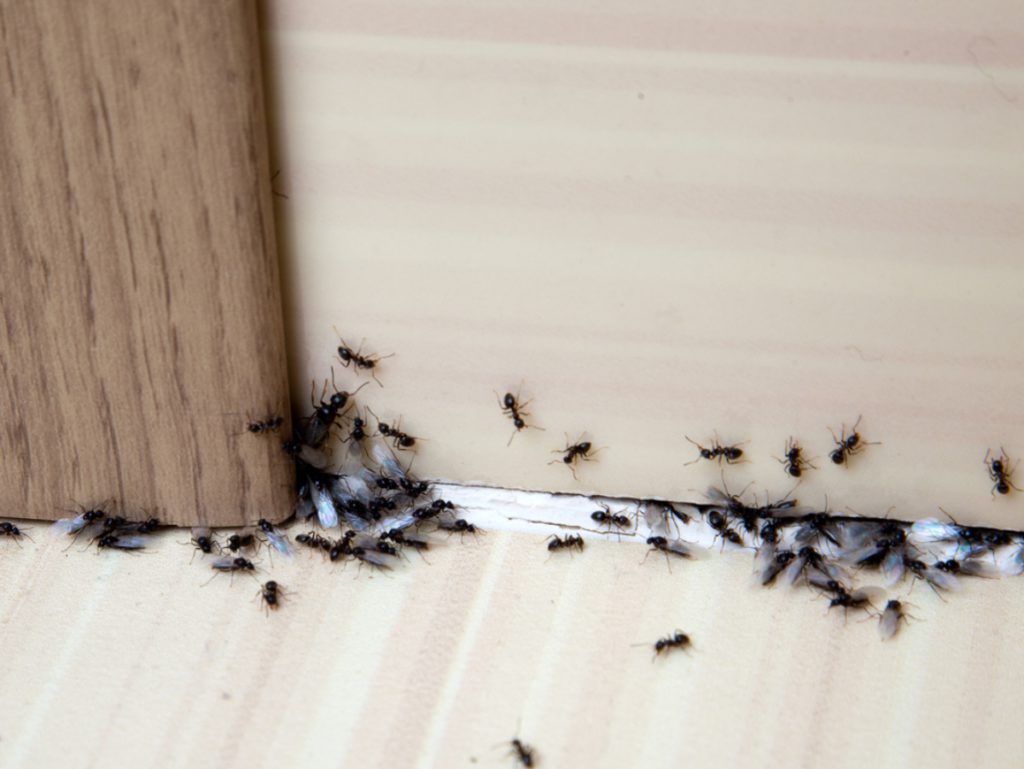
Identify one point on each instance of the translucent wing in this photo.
(889, 622)
(324, 504)
(893, 567)
(932, 530)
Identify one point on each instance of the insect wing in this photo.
(893, 567)
(889, 622)
(326, 512)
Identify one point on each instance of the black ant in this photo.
(678, 640)
(399, 439)
(848, 445)
(314, 540)
(731, 454)
(358, 432)
(232, 564)
(271, 593)
(569, 542)
(203, 541)
(8, 529)
(355, 358)
(237, 542)
(608, 518)
(268, 425)
(319, 423)
(793, 459)
(460, 525)
(515, 410)
(720, 524)
(573, 452)
(890, 619)
(1000, 471)
(676, 547)
(523, 753)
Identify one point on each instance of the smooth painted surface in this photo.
(668, 220)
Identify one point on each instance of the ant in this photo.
(573, 452)
(569, 542)
(399, 439)
(203, 541)
(460, 525)
(890, 619)
(319, 423)
(1000, 471)
(522, 752)
(678, 640)
(358, 432)
(232, 564)
(271, 593)
(313, 540)
(676, 547)
(720, 524)
(608, 518)
(731, 454)
(237, 542)
(8, 529)
(793, 459)
(268, 425)
(515, 410)
(356, 359)
(848, 445)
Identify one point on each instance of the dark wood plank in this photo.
(140, 300)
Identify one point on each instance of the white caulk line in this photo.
(467, 642)
(56, 680)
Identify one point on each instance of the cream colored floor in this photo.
(114, 660)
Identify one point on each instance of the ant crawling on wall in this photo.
(848, 445)
(731, 454)
(1000, 471)
(515, 409)
(358, 360)
(573, 453)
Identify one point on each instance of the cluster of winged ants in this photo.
(372, 510)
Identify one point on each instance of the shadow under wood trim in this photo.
(141, 309)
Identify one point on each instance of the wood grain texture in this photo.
(442, 662)
(141, 306)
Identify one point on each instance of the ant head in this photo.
(345, 354)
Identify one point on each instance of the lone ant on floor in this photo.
(678, 640)
(574, 452)
(516, 411)
(1000, 471)
(848, 445)
(271, 594)
(357, 360)
(717, 451)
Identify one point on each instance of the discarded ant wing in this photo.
(324, 504)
